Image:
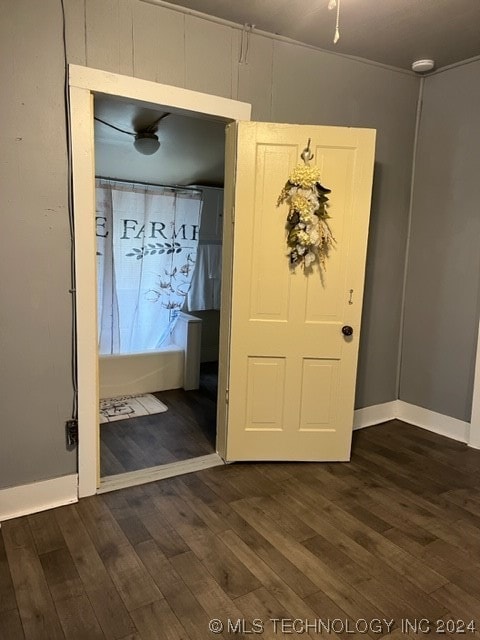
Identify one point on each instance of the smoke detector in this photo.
(422, 66)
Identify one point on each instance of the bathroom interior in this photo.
(159, 212)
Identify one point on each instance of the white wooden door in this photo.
(289, 385)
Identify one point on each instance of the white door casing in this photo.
(292, 372)
(84, 82)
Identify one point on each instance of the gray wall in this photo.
(442, 301)
(284, 82)
(35, 316)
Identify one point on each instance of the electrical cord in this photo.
(113, 126)
(150, 129)
(74, 375)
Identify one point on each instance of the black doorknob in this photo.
(347, 331)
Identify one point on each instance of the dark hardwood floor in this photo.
(187, 430)
(394, 534)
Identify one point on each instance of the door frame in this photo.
(84, 82)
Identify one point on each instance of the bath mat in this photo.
(125, 407)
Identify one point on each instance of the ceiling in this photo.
(393, 32)
(191, 149)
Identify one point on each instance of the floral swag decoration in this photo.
(309, 237)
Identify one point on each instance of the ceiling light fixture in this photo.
(422, 66)
(146, 143)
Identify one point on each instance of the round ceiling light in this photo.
(422, 66)
(146, 143)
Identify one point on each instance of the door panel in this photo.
(291, 372)
(269, 290)
(318, 374)
(265, 389)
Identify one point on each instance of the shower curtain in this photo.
(147, 238)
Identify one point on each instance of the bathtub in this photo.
(172, 367)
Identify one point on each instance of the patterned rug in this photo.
(125, 407)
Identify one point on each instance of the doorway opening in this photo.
(86, 83)
(159, 239)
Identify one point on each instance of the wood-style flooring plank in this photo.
(37, 610)
(297, 496)
(134, 584)
(427, 514)
(214, 479)
(8, 600)
(231, 575)
(246, 479)
(466, 499)
(459, 557)
(103, 529)
(134, 529)
(156, 621)
(413, 597)
(277, 584)
(459, 602)
(393, 534)
(465, 578)
(45, 531)
(213, 521)
(180, 599)
(11, 625)
(107, 604)
(285, 520)
(61, 575)
(204, 587)
(422, 447)
(261, 610)
(168, 541)
(210, 507)
(316, 570)
(110, 465)
(130, 449)
(275, 472)
(327, 609)
(78, 619)
(450, 451)
(270, 555)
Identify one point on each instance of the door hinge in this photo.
(71, 432)
(227, 395)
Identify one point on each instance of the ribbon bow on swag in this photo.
(309, 237)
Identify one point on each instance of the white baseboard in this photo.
(432, 421)
(418, 416)
(375, 414)
(38, 496)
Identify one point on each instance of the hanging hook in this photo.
(245, 41)
(306, 154)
